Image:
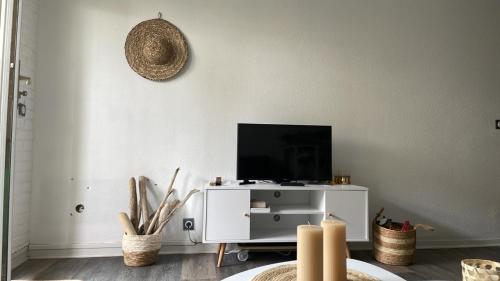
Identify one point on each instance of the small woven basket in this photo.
(140, 250)
(392, 246)
(480, 270)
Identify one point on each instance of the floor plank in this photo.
(442, 264)
(63, 269)
(198, 267)
(31, 269)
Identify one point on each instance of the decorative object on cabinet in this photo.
(341, 179)
(393, 242)
(216, 182)
(156, 49)
(141, 243)
(254, 203)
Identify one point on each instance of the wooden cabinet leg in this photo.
(218, 249)
(347, 251)
(220, 258)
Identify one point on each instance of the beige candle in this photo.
(309, 253)
(334, 250)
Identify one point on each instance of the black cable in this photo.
(190, 239)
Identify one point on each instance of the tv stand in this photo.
(292, 184)
(229, 218)
(245, 182)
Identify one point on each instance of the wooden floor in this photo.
(442, 264)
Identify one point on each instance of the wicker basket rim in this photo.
(469, 263)
(412, 229)
(148, 236)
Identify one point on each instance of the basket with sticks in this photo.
(141, 243)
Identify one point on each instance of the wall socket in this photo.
(188, 224)
(497, 124)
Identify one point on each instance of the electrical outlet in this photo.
(497, 123)
(188, 224)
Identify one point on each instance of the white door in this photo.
(227, 215)
(351, 207)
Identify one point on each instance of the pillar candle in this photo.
(334, 250)
(309, 253)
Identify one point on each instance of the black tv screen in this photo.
(284, 152)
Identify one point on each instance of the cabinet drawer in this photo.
(351, 207)
(227, 215)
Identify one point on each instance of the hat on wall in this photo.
(156, 49)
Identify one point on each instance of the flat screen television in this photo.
(284, 153)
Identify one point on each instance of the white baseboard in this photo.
(464, 243)
(37, 251)
(19, 256)
(82, 250)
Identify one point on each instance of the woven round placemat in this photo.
(289, 273)
(156, 49)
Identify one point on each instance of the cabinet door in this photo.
(227, 215)
(351, 207)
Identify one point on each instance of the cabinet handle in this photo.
(246, 215)
(331, 215)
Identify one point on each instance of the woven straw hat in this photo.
(156, 49)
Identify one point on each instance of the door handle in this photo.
(246, 215)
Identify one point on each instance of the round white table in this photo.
(361, 266)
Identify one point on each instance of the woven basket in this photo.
(480, 270)
(140, 250)
(392, 246)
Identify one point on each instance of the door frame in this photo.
(9, 10)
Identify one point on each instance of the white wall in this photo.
(24, 133)
(411, 88)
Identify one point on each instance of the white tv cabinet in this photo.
(228, 218)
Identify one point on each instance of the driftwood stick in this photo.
(170, 186)
(174, 210)
(170, 190)
(160, 215)
(154, 220)
(128, 228)
(169, 193)
(169, 207)
(133, 204)
(141, 228)
(144, 201)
